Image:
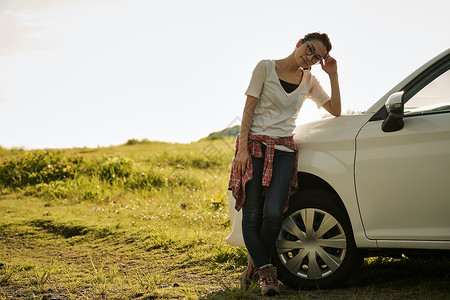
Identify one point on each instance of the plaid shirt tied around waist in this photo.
(237, 182)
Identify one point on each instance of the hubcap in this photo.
(312, 244)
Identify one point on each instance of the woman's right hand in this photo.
(242, 161)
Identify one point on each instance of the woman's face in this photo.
(310, 53)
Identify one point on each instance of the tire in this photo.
(315, 248)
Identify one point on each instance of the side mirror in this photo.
(394, 107)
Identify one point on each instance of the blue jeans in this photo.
(262, 216)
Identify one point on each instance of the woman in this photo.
(264, 169)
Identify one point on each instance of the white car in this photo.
(377, 182)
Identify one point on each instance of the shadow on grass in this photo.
(403, 272)
(377, 278)
(60, 229)
(68, 230)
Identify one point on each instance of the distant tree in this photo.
(136, 141)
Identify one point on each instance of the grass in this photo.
(148, 220)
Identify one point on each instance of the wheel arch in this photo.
(308, 181)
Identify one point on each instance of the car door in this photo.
(402, 178)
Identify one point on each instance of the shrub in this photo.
(115, 167)
(53, 190)
(151, 179)
(146, 180)
(204, 159)
(37, 167)
(54, 175)
(182, 178)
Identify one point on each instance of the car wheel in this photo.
(315, 248)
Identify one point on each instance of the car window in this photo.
(434, 97)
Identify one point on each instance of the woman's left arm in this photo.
(333, 106)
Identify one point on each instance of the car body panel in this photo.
(235, 237)
(327, 150)
(402, 179)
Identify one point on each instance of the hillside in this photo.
(230, 131)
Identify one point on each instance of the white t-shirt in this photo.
(276, 111)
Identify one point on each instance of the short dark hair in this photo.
(323, 37)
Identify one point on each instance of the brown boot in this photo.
(249, 276)
(269, 282)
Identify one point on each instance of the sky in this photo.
(89, 73)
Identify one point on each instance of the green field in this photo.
(148, 220)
